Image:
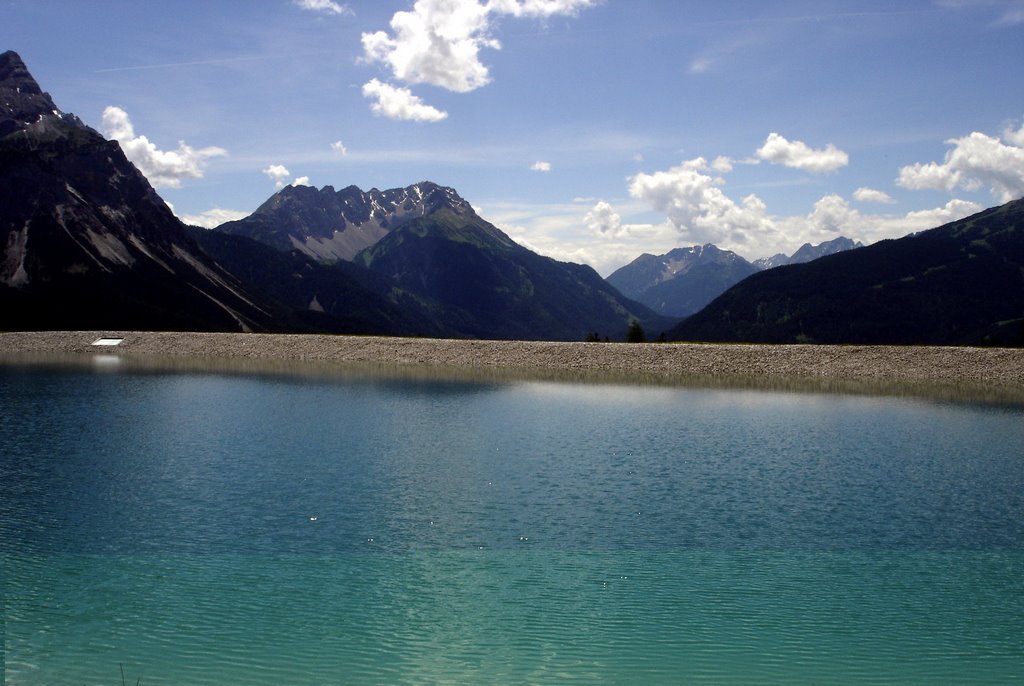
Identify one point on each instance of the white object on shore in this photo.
(107, 341)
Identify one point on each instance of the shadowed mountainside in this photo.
(87, 241)
(444, 263)
(958, 284)
(88, 244)
(683, 281)
(497, 286)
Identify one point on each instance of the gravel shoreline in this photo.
(996, 369)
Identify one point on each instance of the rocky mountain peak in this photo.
(330, 225)
(22, 101)
(685, 258)
(681, 281)
(436, 197)
(84, 238)
(15, 74)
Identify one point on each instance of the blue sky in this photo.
(589, 130)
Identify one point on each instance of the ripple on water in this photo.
(503, 533)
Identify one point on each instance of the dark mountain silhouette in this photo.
(87, 241)
(327, 298)
(961, 283)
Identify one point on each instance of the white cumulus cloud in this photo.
(541, 166)
(697, 206)
(1014, 136)
(694, 201)
(864, 194)
(339, 147)
(603, 220)
(950, 212)
(279, 174)
(798, 155)
(325, 6)
(163, 168)
(918, 177)
(722, 164)
(399, 103)
(974, 161)
(439, 41)
(833, 215)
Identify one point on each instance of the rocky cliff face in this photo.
(330, 225)
(86, 240)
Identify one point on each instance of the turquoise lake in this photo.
(205, 528)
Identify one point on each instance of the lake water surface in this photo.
(225, 529)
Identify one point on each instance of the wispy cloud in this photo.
(1008, 12)
(725, 47)
(213, 217)
(193, 63)
(324, 6)
(735, 36)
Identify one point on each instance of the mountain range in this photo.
(330, 225)
(808, 252)
(427, 243)
(88, 244)
(958, 284)
(684, 280)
